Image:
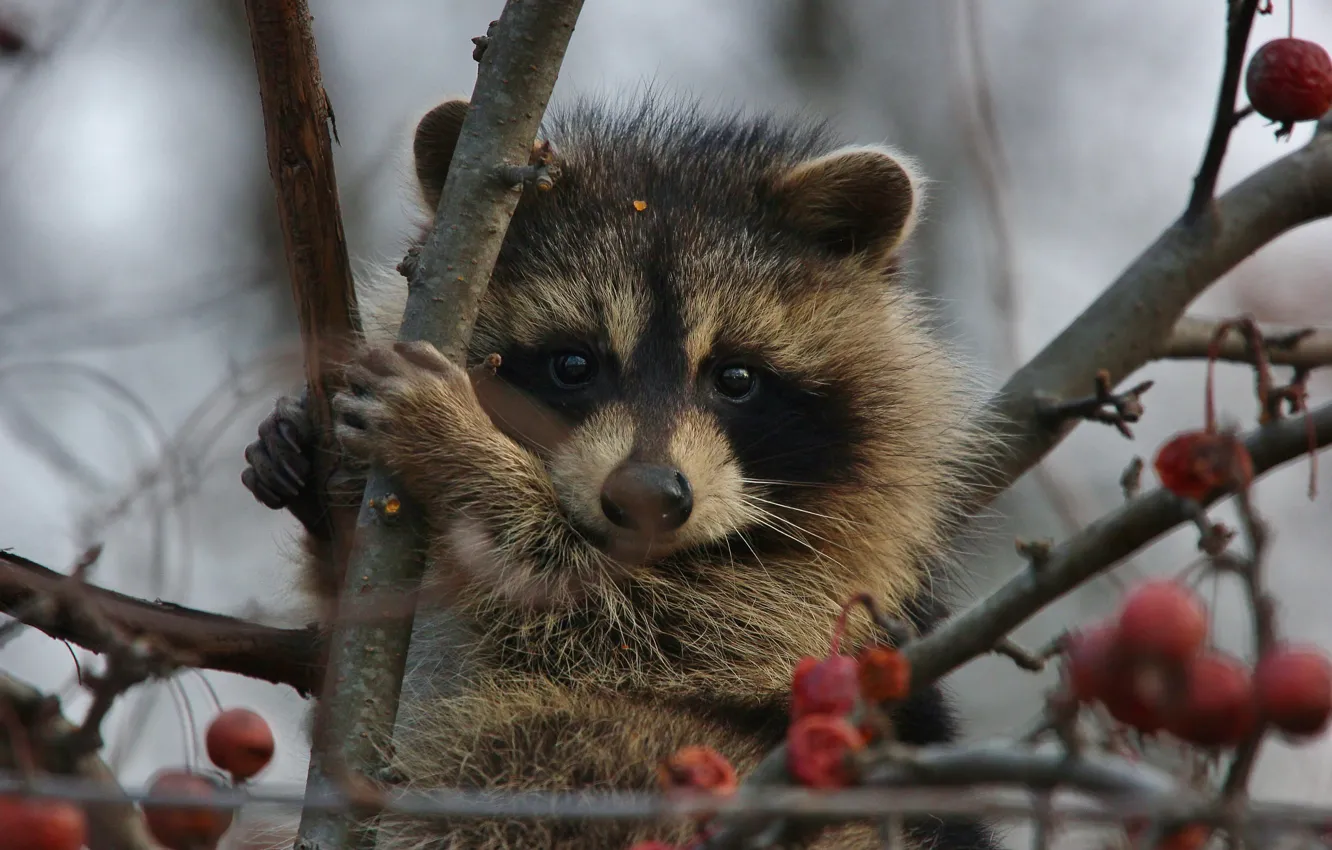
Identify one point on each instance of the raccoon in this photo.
(752, 423)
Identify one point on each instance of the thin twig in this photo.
(1239, 21)
(1303, 348)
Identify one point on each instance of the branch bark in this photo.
(196, 638)
(1121, 331)
(1303, 348)
(297, 115)
(367, 661)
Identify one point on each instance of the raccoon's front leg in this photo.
(489, 499)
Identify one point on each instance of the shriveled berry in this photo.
(1290, 80)
(884, 674)
(240, 742)
(826, 686)
(1193, 464)
(185, 827)
(818, 747)
(33, 824)
(1162, 620)
(1294, 690)
(1217, 705)
(1089, 656)
(697, 769)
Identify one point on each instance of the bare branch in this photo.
(1239, 21)
(297, 115)
(1303, 348)
(518, 67)
(1131, 318)
(196, 638)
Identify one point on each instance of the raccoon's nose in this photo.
(645, 497)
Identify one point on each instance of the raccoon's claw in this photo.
(279, 461)
(280, 464)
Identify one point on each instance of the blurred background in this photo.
(146, 323)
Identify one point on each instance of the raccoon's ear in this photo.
(857, 201)
(436, 137)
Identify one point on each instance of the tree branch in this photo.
(297, 115)
(1093, 550)
(195, 638)
(1303, 348)
(1129, 320)
(1239, 22)
(518, 70)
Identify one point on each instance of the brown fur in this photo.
(584, 668)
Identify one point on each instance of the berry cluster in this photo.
(826, 694)
(239, 742)
(1152, 670)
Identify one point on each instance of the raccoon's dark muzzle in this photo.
(647, 498)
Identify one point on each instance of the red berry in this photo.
(817, 747)
(1190, 837)
(1217, 707)
(1135, 696)
(698, 769)
(33, 824)
(829, 686)
(1290, 80)
(240, 742)
(1162, 620)
(1089, 656)
(1193, 464)
(884, 674)
(184, 827)
(1294, 688)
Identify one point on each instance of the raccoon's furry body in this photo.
(711, 306)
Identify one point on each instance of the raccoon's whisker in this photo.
(804, 511)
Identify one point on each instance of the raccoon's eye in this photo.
(736, 382)
(572, 369)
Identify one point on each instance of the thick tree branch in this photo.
(518, 70)
(1239, 22)
(1303, 348)
(195, 638)
(1130, 319)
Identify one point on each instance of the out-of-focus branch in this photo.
(193, 638)
(112, 824)
(1099, 546)
(519, 65)
(1130, 319)
(1239, 22)
(297, 115)
(1303, 348)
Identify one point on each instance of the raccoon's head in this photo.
(712, 308)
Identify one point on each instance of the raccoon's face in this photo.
(708, 311)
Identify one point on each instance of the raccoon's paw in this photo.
(280, 461)
(403, 397)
